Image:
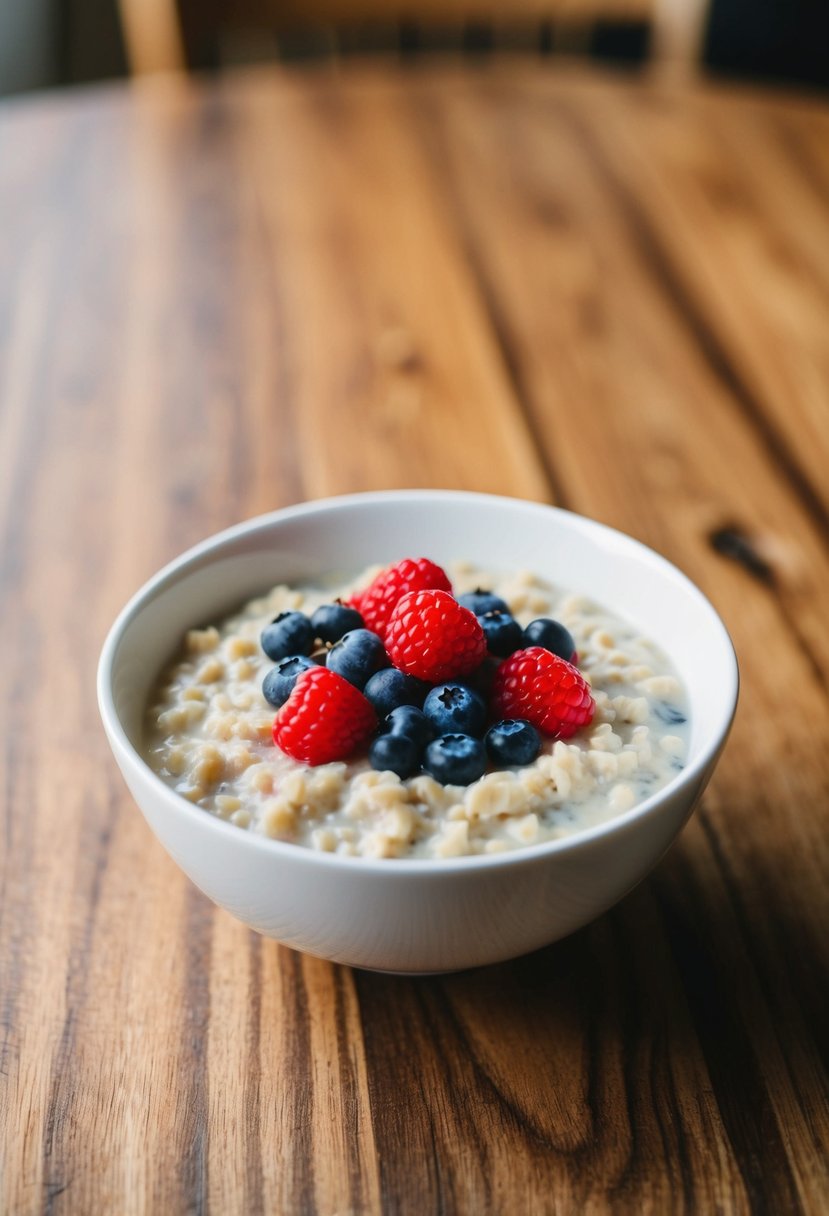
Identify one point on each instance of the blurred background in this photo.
(52, 43)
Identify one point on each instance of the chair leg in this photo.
(152, 36)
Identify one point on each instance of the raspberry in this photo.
(377, 602)
(544, 689)
(325, 718)
(431, 636)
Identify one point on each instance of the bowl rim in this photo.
(179, 567)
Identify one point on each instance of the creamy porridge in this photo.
(208, 735)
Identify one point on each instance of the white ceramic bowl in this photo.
(417, 915)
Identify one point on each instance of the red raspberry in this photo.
(325, 718)
(377, 602)
(432, 636)
(546, 690)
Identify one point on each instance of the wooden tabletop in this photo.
(219, 298)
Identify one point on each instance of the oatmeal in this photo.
(209, 736)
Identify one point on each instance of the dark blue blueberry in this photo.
(280, 680)
(670, 714)
(357, 655)
(410, 721)
(502, 632)
(290, 633)
(455, 759)
(552, 636)
(389, 688)
(397, 753)
(331, 621)
(512, 741)
(481, 679)
(455, 709)
(480, 601)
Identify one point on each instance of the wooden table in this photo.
(216, 299)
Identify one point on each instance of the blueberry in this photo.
(481, 679)
(503, 633)
(397, 753)
(670, 714)
(410, 721)
(280, 680)
(290, 633)
(389, 688)
(552, 636)
(455, 759)
(480, 601)
(455, 709)
(512, 741)
(331, 621)
(357, 655)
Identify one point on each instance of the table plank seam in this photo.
(664, 273)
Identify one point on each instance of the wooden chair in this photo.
(174, 35)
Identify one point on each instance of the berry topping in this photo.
(503, 633)
(377, 602)
(397, 753)
(389, 688)
(480, 680)
(455, 709)
(410, 721)
(331, 621)
(277, 684)
(431, 636)
(455, 759)
(480, 601)
(357, 656)
(545, 689)
(552, 636)
(325, 718)
(512, 741)
(290, 633)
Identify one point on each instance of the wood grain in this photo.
(217, 299)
